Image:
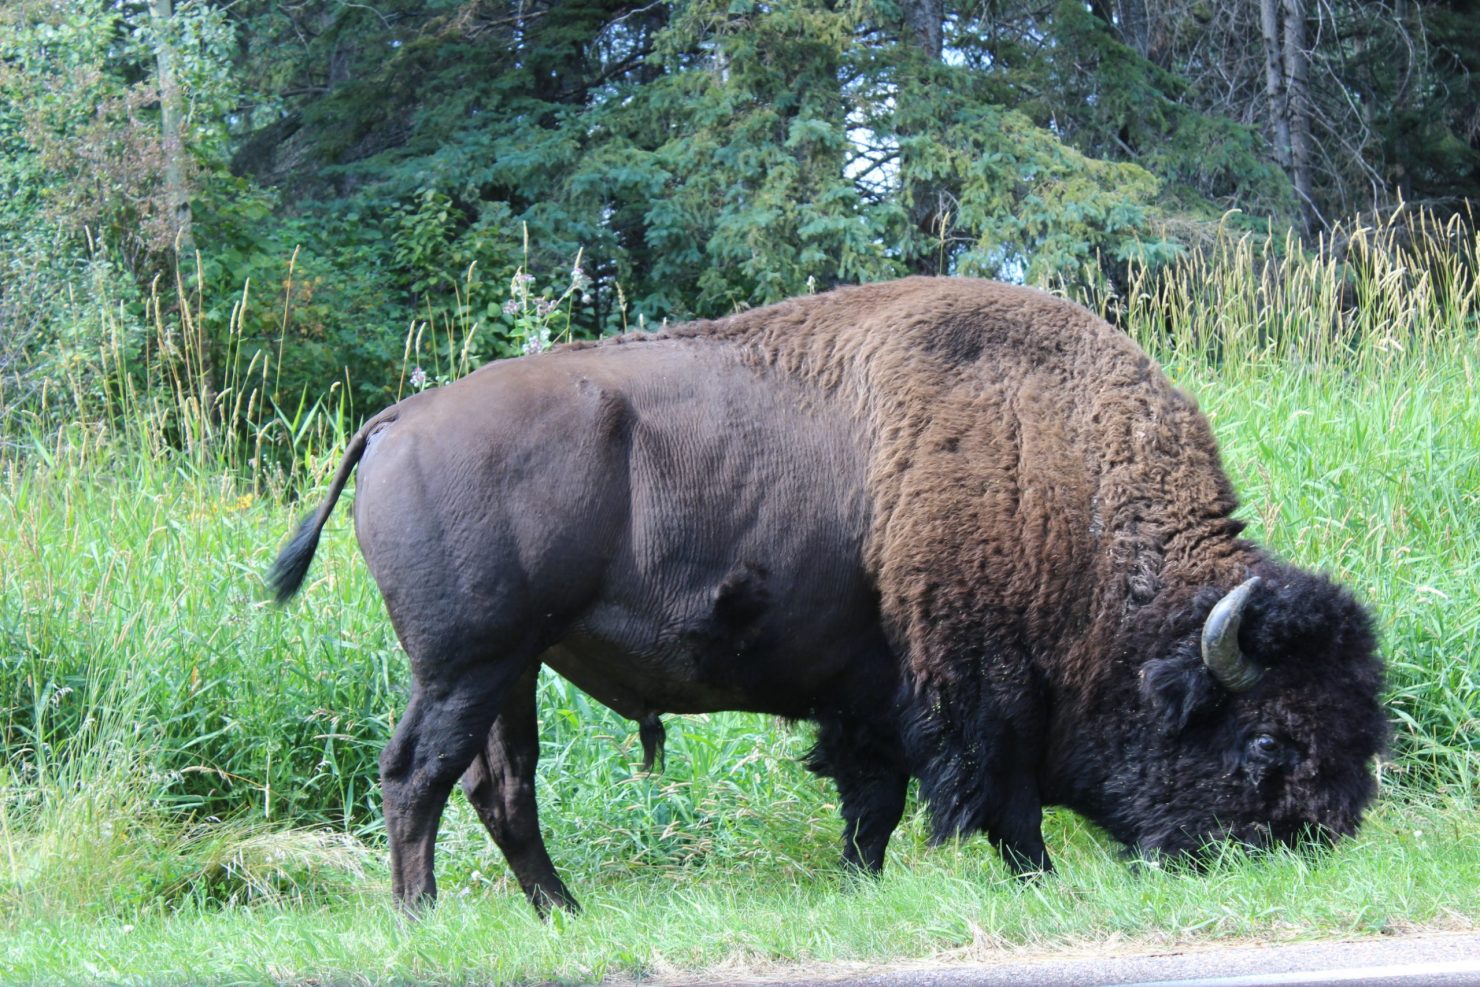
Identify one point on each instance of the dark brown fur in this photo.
(968, 528)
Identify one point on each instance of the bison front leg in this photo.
(500, 786)
(999, 798)
(434, 743)
(1015, 823)
(976, 753)
(867, 762)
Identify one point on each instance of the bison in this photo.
(968, 529)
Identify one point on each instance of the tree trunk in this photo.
(177, 194)
(197, 359)
(1274, 81)
(1297, 89)
(924, 20)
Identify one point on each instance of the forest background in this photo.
(377, 169)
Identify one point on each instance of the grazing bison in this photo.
(968, 529)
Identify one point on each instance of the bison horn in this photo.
(1220, 650)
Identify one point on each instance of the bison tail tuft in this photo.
(291, 566)
(292, 562)
(650, 730)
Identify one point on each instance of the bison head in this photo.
(1257, 720)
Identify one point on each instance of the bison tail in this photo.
(291, 566)
(650, 731)
(288, 572)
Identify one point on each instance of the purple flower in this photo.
(418, 378)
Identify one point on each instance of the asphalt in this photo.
(1448, 960)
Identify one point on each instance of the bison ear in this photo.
(1178, 689)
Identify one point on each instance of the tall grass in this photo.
(174, 746)
(1341, 385)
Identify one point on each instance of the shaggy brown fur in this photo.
(1024, 458)
(969, 528)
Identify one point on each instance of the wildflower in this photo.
(543, 307)
(418, 378)
(511, 307)
(578, 279)
(519, 284)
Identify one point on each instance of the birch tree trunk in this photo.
(1274, 81)
(195, 349)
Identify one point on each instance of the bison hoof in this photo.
(545, 902)
(412, 908)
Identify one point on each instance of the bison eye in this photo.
(1267, 744)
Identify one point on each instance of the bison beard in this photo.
(968, 529)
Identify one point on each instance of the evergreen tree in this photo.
(392, 166)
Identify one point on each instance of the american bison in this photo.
(968, 529)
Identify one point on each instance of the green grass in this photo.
(187, 787)
(1412, 867)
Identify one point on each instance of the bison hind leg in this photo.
(437, 738)
(500, 786)
(866, 760)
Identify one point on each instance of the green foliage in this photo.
(735, 175)
(82, 116)
(1026, 204)
(1111, 102)
(84, 226)
(63, 160)
(699, 156)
